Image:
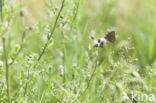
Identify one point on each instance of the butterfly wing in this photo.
(111, 36)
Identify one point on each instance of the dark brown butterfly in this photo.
(110, 36)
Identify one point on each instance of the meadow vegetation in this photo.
(47, 53)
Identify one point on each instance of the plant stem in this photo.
(25, 89)
(49, 37)
(7, 69)
(52, 31)
(91, 77)
(75, 15)
(21, 46)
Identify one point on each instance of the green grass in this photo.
(123, 67)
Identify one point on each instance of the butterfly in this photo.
(110, 36)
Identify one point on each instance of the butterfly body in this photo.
(110, 36)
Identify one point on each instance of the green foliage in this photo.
(128, 65)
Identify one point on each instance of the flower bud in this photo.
(21, 13)
(30, 27)
(56, 8)
(74, 65)
(92, 37)
(61, 16)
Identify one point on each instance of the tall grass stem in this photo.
(7, 69)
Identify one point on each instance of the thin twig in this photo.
(7, 69)
(49, 38)
(88, 84)
(25, 89)
(74, 18)
(21, 46)
(77, 9)
(52, 31)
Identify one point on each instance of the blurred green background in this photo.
(135, 19)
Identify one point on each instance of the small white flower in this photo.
(61, 70)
